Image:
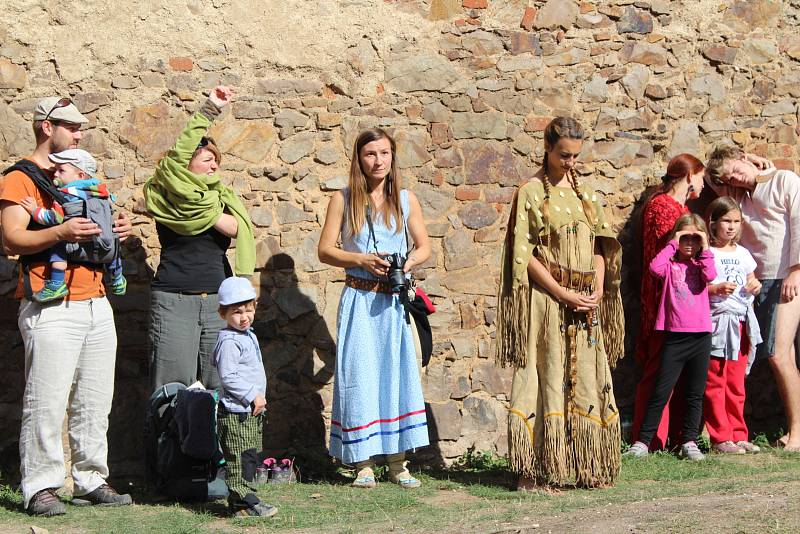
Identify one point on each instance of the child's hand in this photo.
(753, 285)
(221, 95)
(30, 205)
(259, 405)
(703, 239)
(723, 289)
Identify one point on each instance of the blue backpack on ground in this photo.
(183, 459)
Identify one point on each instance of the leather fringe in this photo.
(551, 467)
(594, 451)
(513, 319)
(520, 445)
(589, 453)
(612, 324)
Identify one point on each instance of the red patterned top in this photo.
(659, 217)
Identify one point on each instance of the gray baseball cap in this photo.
(58, 109)
(235, 289)
(77, 158)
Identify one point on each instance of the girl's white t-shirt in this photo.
(733, 266)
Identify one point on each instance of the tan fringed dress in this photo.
(563, 419)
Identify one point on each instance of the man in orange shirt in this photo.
(71, 345)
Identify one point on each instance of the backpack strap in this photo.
(39, 178)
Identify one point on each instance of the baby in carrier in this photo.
(80, 195)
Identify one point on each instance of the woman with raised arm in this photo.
(196, 218)
(560, 324)
(378, 407)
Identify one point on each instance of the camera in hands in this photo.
(397, 278)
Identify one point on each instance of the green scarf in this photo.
(189, 203)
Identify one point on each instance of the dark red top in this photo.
(658, 219)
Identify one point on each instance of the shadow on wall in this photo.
(12, 383)
(626, 375)
(763, 409)
(299, 355)
(132, 379)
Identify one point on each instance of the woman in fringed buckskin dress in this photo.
(560, 324)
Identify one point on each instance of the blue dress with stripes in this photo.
(378, 407)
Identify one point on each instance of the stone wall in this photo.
(465, 86)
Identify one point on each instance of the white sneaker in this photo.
(637, 450)
(690, 451)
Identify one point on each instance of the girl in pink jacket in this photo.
(686, 266)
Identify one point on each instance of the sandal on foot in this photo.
(404, 479)
(365, 479)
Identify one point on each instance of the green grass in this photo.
(476, 496)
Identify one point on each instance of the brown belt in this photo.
(376, 286)
(572, 279)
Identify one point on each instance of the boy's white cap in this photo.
(77, 158)
(235, 289)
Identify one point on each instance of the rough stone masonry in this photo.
(465, 86)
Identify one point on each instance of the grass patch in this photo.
(475, 496)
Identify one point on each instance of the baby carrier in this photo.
(103, 248)
(183, 460)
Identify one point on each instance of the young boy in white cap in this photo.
(243, 382)
(75, 176)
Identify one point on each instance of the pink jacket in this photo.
(683, 306)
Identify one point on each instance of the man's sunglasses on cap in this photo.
(62, 103)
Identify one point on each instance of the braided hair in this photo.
(557, 129)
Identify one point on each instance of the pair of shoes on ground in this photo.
(46, 503)
(276, 471)
(688, 451)
(366, 479)
(740, 447)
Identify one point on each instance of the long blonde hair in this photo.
(557, 129)
(359, 199)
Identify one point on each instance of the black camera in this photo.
(397, 278)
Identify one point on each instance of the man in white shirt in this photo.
(770, 202)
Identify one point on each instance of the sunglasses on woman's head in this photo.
(203, 142)
(62, 103)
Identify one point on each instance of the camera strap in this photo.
(372, 230)
(404, 298)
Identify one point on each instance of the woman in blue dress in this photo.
(378, 407)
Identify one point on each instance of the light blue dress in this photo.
(378, 407)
